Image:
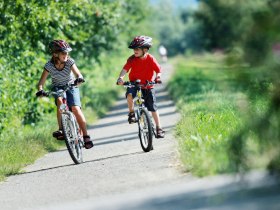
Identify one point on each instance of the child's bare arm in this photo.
(43, 79)
(76, 71)
(121, 76)
(158, 75)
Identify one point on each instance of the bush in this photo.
(26, 28)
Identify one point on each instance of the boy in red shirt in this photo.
(142, 65)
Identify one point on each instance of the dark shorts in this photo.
(72, 96)
(149, 96)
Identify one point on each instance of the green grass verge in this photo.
(204, 132)
(22, 145)
(214, 107)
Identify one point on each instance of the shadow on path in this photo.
(227, 197)
(118, 122)
(123, 137)
(76, 165)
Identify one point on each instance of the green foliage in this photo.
(260, 50)
(175, 28)
(220, 22)
(215, 133)
(249, 32)
(208, 115)
(204, 134)
(263, 32)
(26, 27)
(218, 25)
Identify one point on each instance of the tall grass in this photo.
(214, 108)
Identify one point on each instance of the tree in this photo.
(26, 27)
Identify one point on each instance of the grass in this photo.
(204, 132)
(214, 108)
(22, 145)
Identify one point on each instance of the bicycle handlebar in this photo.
(67, 87)
(137, 83)
(60, 92)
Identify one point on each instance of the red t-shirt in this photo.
(142, 68)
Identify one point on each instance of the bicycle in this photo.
(145, 124)
(73, 138)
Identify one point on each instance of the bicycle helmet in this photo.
(59, 46)
(141, 42)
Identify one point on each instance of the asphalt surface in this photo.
(117, 174)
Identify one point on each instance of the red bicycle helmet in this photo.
(59, 46)
(141, 42)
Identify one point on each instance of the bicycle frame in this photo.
(139, 103)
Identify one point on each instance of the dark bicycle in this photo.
(143, 118)
(73, 138)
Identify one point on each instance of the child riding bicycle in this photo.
(142, 65)
(63, 70)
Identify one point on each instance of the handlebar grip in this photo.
(41, 93)
(127, 83)
(78, 80)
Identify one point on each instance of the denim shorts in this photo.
(72, 95)
(149, 97)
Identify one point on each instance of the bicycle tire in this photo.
(145, 130)
(72, 139)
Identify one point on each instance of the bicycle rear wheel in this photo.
(145, 130)
(72, 137)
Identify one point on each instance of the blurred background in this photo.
(226, 56)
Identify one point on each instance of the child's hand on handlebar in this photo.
(120, 81)
(158, 80)
(41, 93)
(78, 81)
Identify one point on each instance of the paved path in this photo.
(118, 175)
(115, 165)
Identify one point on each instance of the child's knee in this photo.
(129, 97)
(76, 109)
(59, 101)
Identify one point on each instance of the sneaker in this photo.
(131, 117)
(160, 133)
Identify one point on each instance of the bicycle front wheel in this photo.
(72, 137)
(145, 130)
